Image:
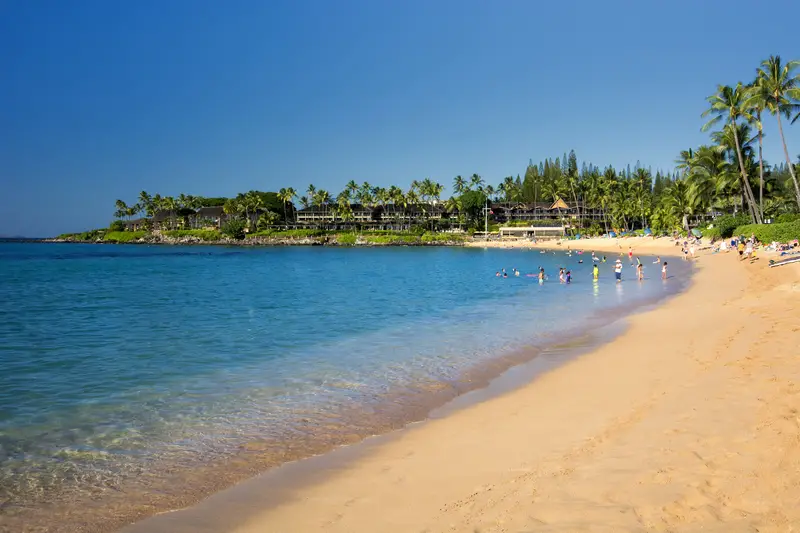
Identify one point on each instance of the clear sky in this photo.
(101, 99)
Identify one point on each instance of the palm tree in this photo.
(351, 188)
(304, 202)
(727, 104)
(170, 205)
(286, 196)
(122, 209)
(756, 102)
(459, 185)
(311, 193)
(778, 89)
(476, 181)
(676, 201)
(323, 198)
(726, 140)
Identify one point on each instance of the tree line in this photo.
(720, 176)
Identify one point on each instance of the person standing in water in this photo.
(541, 275)
(640, 272)
(664, 271)
(630, 255)
(596, 272)
(618, 271)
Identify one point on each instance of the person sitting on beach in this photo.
(664, 271)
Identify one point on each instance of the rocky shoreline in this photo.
(328, 240)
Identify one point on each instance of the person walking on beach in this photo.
(740, 248)
(664, 271)
(618, 271)
(691, 250)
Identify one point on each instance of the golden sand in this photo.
(689, 421)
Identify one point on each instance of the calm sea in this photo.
(130, 366)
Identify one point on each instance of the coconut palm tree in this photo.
(476, 181)
(777, 88)
(122, 209)
(286, 196)
(728, 104)
(756, 102)
(351, 188)
(676, 201)
(459, 185)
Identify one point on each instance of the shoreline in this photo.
(497, 428)
(255, 459)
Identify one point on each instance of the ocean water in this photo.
(133, 364)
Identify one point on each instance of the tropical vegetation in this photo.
(728, 175)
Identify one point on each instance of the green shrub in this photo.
(202, 234)
(392, 239)
(441, 237)
(787, 217)
(123, 236)
(711, 233)
(289, 234)
(346, 239)
(767, 233)
(117, 225)
(234, 228)
(727, 223)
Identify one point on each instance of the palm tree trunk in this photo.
(760, 168)
(789, 161)
(745, 183)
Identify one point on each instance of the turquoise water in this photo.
(118, 358)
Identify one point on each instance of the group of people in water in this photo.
(565, 276)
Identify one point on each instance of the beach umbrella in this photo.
(577, 235)
(697, 233)
(648, 231)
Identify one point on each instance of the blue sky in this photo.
(100, 99)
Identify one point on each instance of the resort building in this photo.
(533, 232)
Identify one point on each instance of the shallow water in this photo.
(120, 364)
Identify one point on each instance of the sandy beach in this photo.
(688, 421)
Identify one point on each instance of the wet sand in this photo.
(688, 421)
